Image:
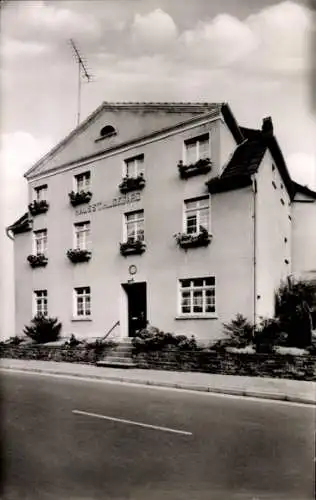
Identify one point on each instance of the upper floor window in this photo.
(40, 193)
(82, 182)
(40, 303)
(107, 131)
(82, 302)
(197, 296)
(197, 148)
(196, 215)
(134, 166)
(82, 235)
(40, 242)
(134, 226)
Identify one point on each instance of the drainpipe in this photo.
(254, 190)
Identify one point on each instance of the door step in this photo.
(118, 357)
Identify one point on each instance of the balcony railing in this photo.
(132, 183)
(77, 198)
(39, 260)
(201, 239)
(38, 207)
(202, 166)
(132, 247)
(76, 255)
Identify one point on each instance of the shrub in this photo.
(43, 329)
(153, 339)
(293, 303)
(16, 340)
(239, 333)
(267, 335)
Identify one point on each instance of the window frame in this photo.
(87, 238)
(196, 140)
(138, 168)
(125, 224)
(198, 214)
(204, 288)
(38, 190)
(85, 294)
(35, 239)
(40, 299)
(86, 180)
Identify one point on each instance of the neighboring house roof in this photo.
(193, 111)
(22, 225)
(299, 188)
(247, 158)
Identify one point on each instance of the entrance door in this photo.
(137, 307)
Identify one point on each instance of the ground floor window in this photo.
(82, 302)
(40, 303)
(197, 296)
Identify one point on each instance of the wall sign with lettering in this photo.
(101, 205)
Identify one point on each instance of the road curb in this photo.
(172, 385)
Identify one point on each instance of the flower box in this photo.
(38, 207)
(39, 260)
(185, 240)
(76, 255)
(132, 183)
(132, 247)
(79, 197)
(202, 166)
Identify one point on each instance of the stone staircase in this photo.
(119, 356)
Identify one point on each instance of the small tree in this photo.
(43, 329)
(239, 332)
(293, 303)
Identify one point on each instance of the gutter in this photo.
(7, 229)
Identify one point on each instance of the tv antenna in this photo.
(82, 74)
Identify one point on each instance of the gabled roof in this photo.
(298, 188)
(247, 158)
(193, 110)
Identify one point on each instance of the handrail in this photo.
(110, 331)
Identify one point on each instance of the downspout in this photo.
(254, 190)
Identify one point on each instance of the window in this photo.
(82, 182)
(196, 215)
(40, 241)
(41, 193)
(82, 302)
(107, 131)
(197, 296)
(134, 166)
(134, 226)
(82, 235)
(197, 148)
(40, 303)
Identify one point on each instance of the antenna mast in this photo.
(82, 71)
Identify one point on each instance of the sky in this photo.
(253, 54)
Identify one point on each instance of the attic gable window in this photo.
(107, 131)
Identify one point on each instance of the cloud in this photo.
(19, 150)
(154, 31)
(302, 168)
(28, 20)
(273, 41)
(15, 48)
(221, 42)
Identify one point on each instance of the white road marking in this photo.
(131, 422)
(211, 394)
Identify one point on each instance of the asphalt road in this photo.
(195, 446)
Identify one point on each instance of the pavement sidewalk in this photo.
(265, 388)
